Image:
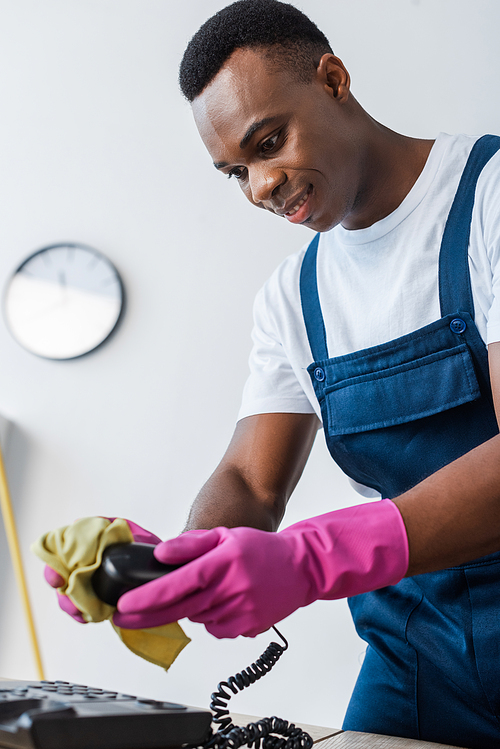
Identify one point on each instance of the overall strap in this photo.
(311, 308)
(455, 292)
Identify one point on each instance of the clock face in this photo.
(63, 301)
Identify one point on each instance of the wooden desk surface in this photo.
(352, 740)
(335, 738)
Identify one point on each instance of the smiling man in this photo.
(315, 160)
(386, 330)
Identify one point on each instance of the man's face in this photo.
(290, 145)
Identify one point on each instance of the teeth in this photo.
(296, 207)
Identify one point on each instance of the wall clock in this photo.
(63, 301)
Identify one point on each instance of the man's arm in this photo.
(453, 516)
(241, 581)
(257, 474)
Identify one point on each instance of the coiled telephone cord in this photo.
(262, 732)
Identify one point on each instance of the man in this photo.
(377, 331)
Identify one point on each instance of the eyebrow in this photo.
(254, 127)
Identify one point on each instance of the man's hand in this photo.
(452, 517)
(56, 581)
(241, 581)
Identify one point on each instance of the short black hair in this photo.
(284, 33)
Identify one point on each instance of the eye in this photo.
(238, 172)
(269, 143)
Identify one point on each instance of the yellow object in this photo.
(75, 552)
(15, 554)
(158, 645)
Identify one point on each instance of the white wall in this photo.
(97, 146)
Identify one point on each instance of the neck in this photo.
(388, 167)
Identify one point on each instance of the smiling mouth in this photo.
(296, 207)
(295, 212)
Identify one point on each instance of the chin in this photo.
(321, 225)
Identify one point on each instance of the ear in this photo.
(333, 75)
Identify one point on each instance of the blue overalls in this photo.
(393, 414)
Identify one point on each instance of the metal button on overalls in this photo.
(393, 414)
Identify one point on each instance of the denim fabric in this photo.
(408, 386)
(393, 414)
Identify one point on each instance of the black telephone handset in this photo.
(127, 566)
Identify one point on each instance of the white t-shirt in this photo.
(376, 284)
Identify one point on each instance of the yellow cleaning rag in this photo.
(75, 552)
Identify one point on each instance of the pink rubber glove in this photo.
(241, 581)
(55, 580)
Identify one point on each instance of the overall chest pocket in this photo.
(402, 393)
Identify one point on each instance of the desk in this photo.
(335, 738)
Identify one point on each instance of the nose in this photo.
(264, 182)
